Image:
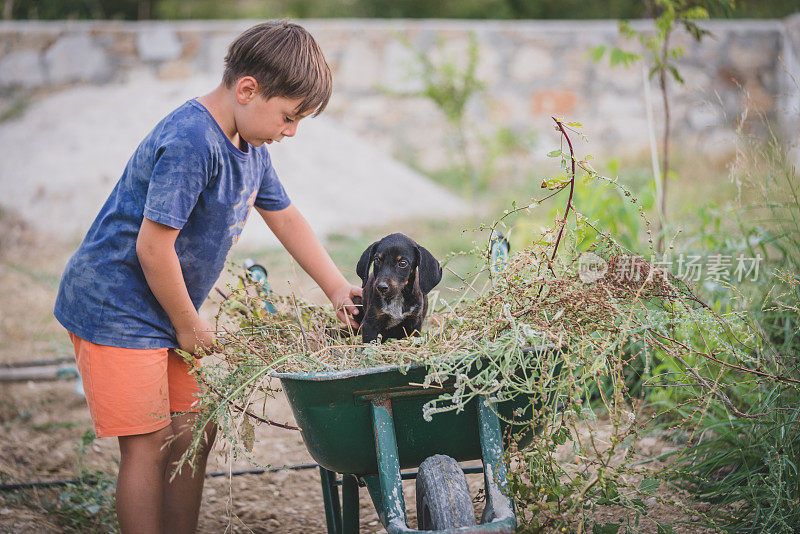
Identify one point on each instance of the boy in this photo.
(131, 292)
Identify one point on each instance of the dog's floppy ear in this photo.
(362, 268)
(430, 271)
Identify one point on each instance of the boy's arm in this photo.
(155, 248)
(295, 234)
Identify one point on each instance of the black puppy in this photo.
(395, 297)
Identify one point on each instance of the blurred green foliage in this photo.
(456, 9)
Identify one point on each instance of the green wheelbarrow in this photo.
(368, 425)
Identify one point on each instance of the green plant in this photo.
(747, 465)
(661, 59)
(617, 210)
(771, 219)
(542, 296)
(496, 167)
(14, 106)
(450, 87)
(87, 505)
(499, 152)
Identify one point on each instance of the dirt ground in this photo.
(43, 422)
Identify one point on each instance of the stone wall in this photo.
(532, 70)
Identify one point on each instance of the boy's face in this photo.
(262, 120)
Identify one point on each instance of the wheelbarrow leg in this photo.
(350, 504)
(330, 496)
(393, 510)
(499, 506)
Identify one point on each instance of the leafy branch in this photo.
(662, 59)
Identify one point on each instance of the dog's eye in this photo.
(376, 261)
(402, 263)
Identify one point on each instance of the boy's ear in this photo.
(245, 89)
(362, 269)
(430, 271)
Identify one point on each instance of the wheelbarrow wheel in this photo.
(443, 499)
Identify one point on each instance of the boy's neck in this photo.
(218, 103)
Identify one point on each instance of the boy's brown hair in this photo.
(285, 60)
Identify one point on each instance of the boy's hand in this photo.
(342, 300)
(198, 336)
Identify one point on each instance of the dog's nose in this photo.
(382, 287)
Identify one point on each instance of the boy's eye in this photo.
(289, 119)
(402, 264)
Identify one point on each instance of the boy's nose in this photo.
(289, 131)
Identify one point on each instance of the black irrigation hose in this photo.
(48, 483)
(298, 467)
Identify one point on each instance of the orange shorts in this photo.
(133, 391)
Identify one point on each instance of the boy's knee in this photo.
(184, 432)
(145, 446)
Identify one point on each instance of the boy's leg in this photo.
(126, 390)
(182, 495)
(140, 483)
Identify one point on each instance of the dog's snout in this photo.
(382, 287)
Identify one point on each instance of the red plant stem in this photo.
(261, 419)
(724, 363)
(245, 411)
(571, 191)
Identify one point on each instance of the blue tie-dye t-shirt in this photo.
(186, 174)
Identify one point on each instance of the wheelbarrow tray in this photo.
(333, 412)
